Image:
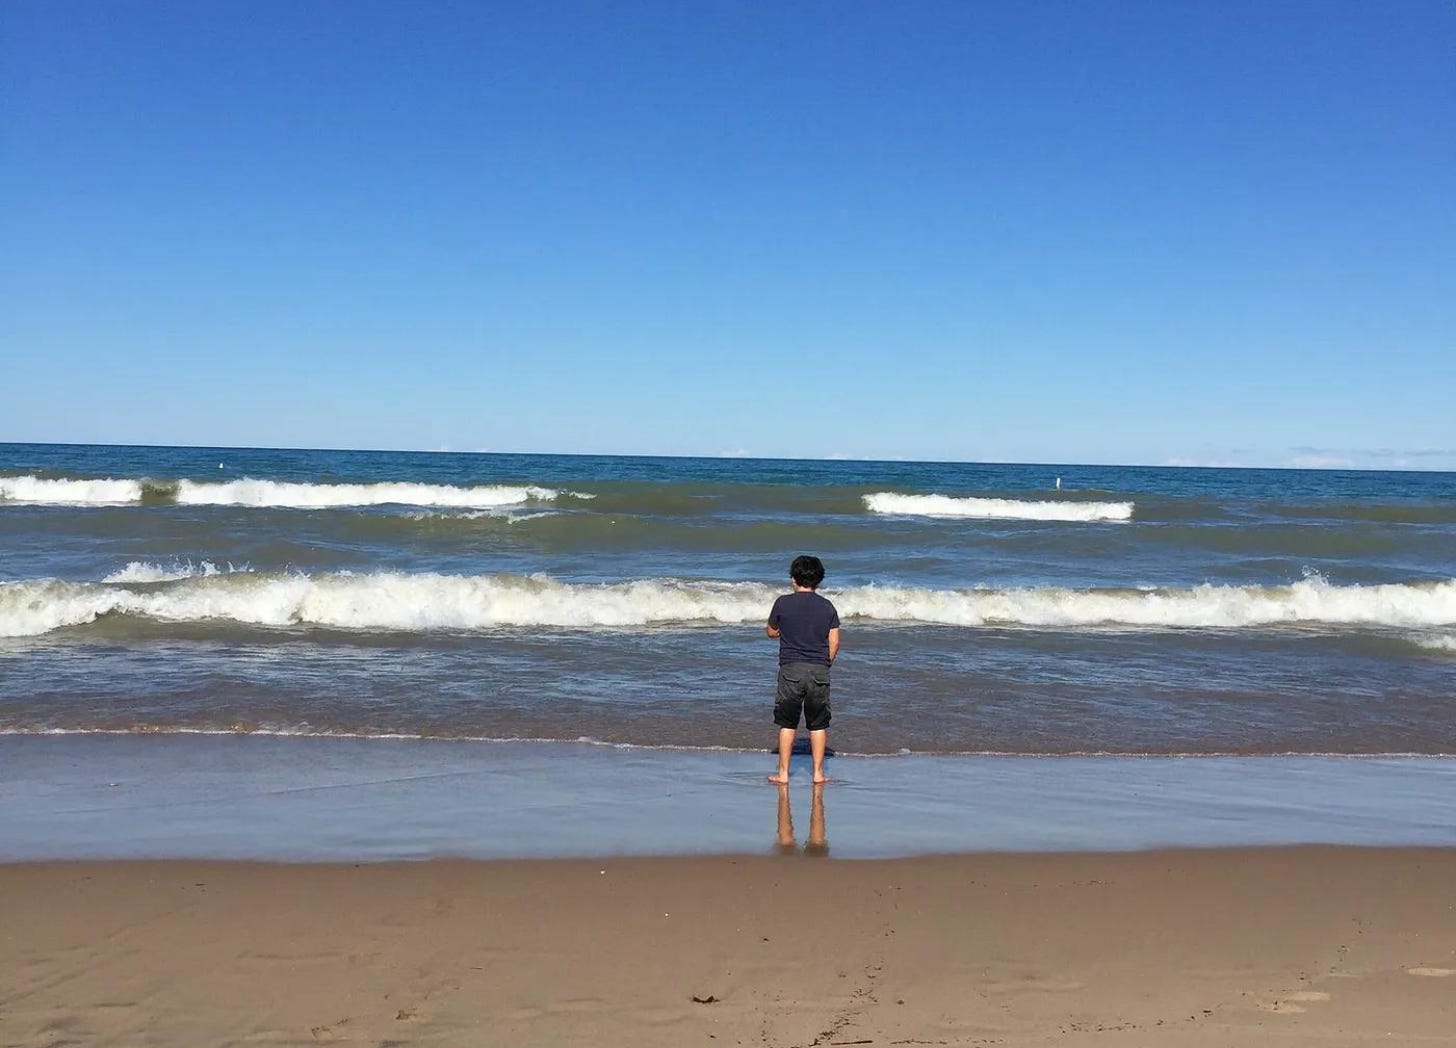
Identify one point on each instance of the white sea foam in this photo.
(272, 493)
(141, 571)
(282, 494)
(1438, 642)
(384, 601)
(1217, 607)
(1007, 509)
(505, 513)
(47, 492)
(424, 602)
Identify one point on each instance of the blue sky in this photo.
(1080, 231)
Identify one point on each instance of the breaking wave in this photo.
(425, 602)
(47, 492)
(1004, 509)
(1437, 643)
(268, 493)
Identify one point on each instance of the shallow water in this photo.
(340, 799)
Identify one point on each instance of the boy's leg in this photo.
(818, 742)
(816, 718)
(788, 707)
(786, 750)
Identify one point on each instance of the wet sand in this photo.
(1290, 946)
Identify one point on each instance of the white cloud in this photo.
(1309, 457)
(1321, 462)
(1204, 463)
(1371, 458)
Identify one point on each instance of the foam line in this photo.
(426, 602)
(889, 502)
(269, 493)
(274, 493)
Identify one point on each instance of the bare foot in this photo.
(778, 781)
(820, 780)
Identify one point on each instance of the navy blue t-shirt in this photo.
(803, 620)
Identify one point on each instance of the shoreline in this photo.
(312, 799)
(1304, 945)
(592, 742)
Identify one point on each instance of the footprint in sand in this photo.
(1435, 973)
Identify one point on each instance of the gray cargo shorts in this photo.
(803, 687)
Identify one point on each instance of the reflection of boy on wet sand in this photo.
(807, 628)
(818, 843)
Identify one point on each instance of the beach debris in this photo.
(327, 1031)
(710, 999)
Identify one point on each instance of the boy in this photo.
(807, 628)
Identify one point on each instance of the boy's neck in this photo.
(802, 589)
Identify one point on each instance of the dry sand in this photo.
(1298, 946)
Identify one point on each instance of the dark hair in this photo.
(807, 571)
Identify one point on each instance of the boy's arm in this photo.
(833, 643)
(771, 630)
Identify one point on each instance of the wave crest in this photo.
(61, 492)
(141, 571)
(288, 495)
(426, 602)
(890, 502)
(270, 493)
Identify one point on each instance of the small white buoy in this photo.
(219, 465)
(1059, 483)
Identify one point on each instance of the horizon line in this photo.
(726, 456)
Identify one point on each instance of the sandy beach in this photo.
(1294, 946)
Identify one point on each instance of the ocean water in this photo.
(620, 601)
